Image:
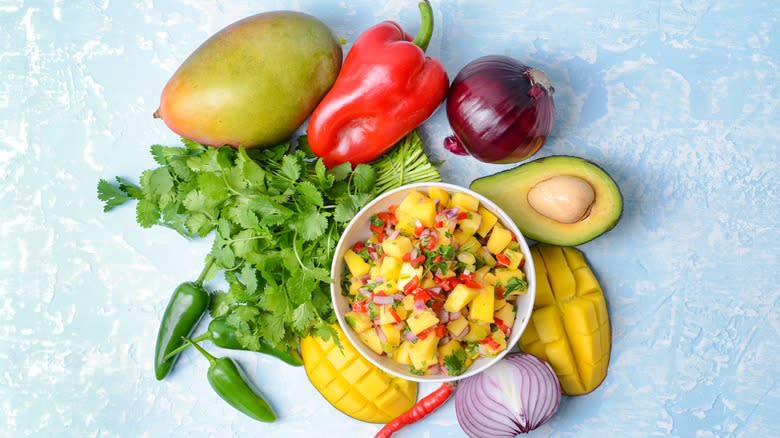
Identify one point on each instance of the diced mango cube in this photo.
(419, 321)
(407, 303)
(464, 201)
(356, 265)
(460, 296)
(423, 353)
(506, 314)
(390, 268)
(392, 334)
(358, 321)
(488, 220)
(397, 247)
(419, 208)
(456, 326)
(438, 193)
(401, 354)
(481, 307)
(515, 258)
(371, 339)
(499, 239)
(477, 331)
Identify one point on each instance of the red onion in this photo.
(516, 395)
(409, 336)
(383, 299)
(501, 111)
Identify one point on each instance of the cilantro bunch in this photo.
(275, 215)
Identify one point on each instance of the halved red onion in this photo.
(516, 395)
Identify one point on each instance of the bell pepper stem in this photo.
(423, 36)
(201, 338)
(212, 360)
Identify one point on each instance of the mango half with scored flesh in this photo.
(569, 326)
(352, 384)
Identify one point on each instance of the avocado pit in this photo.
(563, 198)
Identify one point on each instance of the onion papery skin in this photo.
(500, 110)
(514, 396)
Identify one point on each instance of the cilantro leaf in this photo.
(309, 194)
(111, 195)
(364, 177)
(146, 213)
(290, 167)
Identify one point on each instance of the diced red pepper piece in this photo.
(411, 285)
(490, 342)
(395, 314)
(503, 260)
(360, 246)
(501, 325)
(421, 294)
(441, 330)
(418, 261)
(407, 257)
(360, 306)
(462, 215)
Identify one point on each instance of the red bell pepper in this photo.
(385, 89)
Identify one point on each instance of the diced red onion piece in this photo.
(409, 336)
(419, 305)
(383, 299)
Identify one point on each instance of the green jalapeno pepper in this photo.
(185, 309)
(224, 335)
(231, 383)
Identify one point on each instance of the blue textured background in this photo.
(678, 100)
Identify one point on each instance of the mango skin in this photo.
(254, 82)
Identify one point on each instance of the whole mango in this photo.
(352, 384)
(254, 82)
(569, 326)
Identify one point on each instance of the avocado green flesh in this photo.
(254, 82)
(509, 190)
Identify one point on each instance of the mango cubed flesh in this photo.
(423, 353)
(438, 193)
(499, 239)
(569, 326)
(356, 265)
(481, 307)
(488, 221)
(470, 224)
(397, 247)
(420, 321)
(418, 207)
(460, 296)
(464, 201)
(390, 268)
(351, 384)
(372, 341)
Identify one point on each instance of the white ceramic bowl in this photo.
(358, 229)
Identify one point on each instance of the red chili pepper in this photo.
(407, 257)
(425, 406)
(411, 285)
(385, 89)
(438, 259)
(468, 280)
(499, 293)
(441, 330)
(360, 246)
(432, 241)
(462, 215)
(503, 260)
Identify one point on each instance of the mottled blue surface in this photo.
(678, 100)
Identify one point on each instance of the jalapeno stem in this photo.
(423, 36)
(205, 272)
(212, 360)
(201, 338)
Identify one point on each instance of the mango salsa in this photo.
(569, 326)
(442, 286)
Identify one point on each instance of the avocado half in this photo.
(561, 180)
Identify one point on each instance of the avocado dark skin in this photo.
(561, 200)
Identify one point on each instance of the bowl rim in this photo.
(337, 266)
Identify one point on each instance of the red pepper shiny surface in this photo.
(386, 88)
